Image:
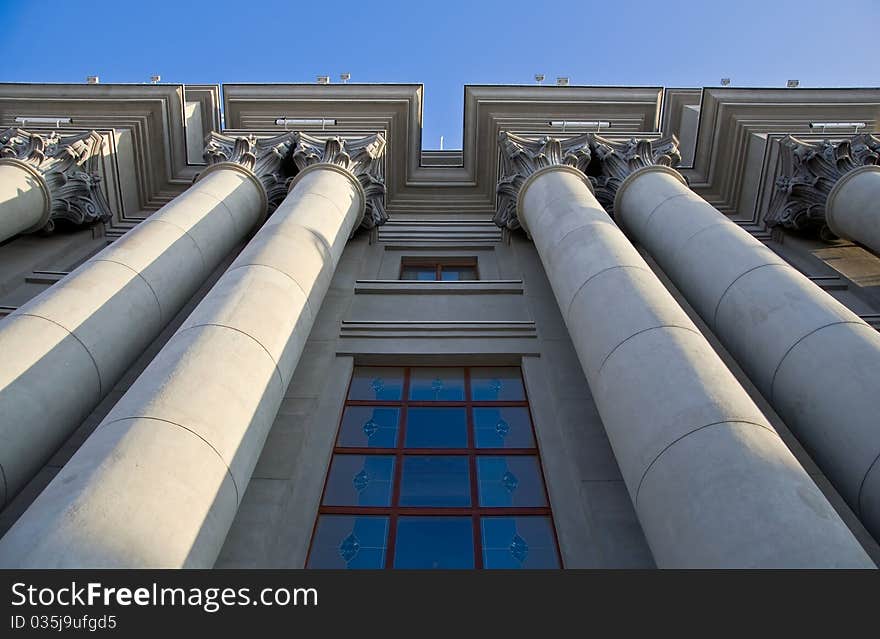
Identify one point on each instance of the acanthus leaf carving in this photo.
(266, 158)
(619, 159)
(809, 172)
(866, 149)
(522, 157)
(68, 167)
(274, 161)
(362, 157)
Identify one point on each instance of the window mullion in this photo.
(472, 463)
(398, 471)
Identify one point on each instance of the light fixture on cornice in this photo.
(42, 120)
(323, 79)
(93, 79)
(792, 84)
(345, 77)
(322, 122)
(562, 81)
(580, 124)
(155, 79)
(539, 78)
(837, 125)
(725, 82)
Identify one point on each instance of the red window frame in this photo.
(438, 263)
(474, 511)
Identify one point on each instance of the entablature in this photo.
(155, 133)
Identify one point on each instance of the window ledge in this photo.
(417, 287)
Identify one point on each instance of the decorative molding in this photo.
(432, 246)
(266, 158)
(396, 110)
(143, 164)
(362, 157)
(521, 157)
(439, 232)
(68, 167)
(391, 329)
(459, 287)
(276, 160)
(809, 172)
(482, 343)
(866, 148)
(735, 161)
(619, 159)
(148, 124)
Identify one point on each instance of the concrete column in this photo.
(852, 210)
(24, 199)
(711, 481)
(159, 481)
(64, 350)
(815, 360)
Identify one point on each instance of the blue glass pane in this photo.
(436, 428)
(508, 427)
(437, 384)
(513, 481)
(434, 542)
(518, 542)
(348, 541)
(435, 481)
(369, 427)
(424, 273)
(359, 480)
(453, 273)
(497, 384)
(376, 383)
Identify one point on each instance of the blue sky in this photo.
(444, 45)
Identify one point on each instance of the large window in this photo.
(438, 269)
(435, 468)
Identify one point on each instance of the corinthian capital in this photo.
(68, 167)
(362, 157)
(618, 160)
(266, 158)
(809, 172)
(865, 149)
(521, 157)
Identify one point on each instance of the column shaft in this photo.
(65, 350)
(24, 199)
(852, 210)
(815, 360)
(159, 482)
(711, 481)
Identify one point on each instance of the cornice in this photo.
(208, 98)
(416, 181)
(734, 124)
(144, 126)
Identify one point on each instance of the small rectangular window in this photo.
(443, 269)
(435, 467)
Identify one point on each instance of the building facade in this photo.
(258, 325)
